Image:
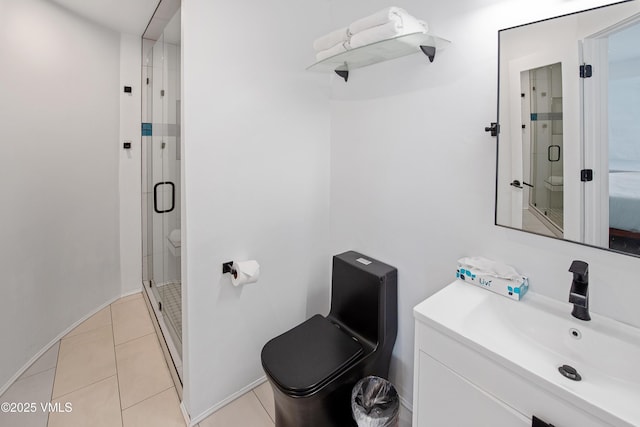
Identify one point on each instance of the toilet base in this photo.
(322, 409)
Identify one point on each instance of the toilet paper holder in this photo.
(227, 267)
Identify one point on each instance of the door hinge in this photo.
(586, 71)
(586, 175)
(147, 80)
(159, 305)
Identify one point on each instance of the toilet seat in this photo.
(303, 359)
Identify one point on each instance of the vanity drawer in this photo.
(523, 395)
(449, 400)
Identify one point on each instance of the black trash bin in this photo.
(375, 403)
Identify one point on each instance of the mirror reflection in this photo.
(569, 115)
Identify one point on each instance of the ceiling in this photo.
(124, 16)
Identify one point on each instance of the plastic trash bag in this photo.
(375, 403)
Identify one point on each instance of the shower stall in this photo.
(161, 169)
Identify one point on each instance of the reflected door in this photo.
(546, 176)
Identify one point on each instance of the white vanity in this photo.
(484, 360)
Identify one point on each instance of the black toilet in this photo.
(313, 367)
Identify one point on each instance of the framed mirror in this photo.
(569, 120)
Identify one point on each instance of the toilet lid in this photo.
(309, 355)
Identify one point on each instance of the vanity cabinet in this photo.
(448, 399)
(457, 384)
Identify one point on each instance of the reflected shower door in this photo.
(546, 197)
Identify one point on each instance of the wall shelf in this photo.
(381, 51)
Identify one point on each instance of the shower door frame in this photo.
(161, 173)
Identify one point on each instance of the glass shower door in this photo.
(168, 181)
(546, 197)
(161, 175)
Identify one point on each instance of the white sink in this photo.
(537, 335)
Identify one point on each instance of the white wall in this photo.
(413, 172)
(59, 167)
(130, 163)
(256, 185)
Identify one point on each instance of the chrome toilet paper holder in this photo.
(227, 267)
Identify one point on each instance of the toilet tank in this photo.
(364, 297)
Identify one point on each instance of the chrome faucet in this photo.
(579, 294)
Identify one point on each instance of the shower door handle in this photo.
(155, 197)
(556, 157)
(517, 184)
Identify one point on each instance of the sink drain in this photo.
(569, 372)
(575, 333)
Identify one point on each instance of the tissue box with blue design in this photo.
(494, 276)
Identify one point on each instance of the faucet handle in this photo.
(579, 293)
(580, 270)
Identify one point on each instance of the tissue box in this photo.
(514, 289)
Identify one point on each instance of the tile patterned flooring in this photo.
(111, 371)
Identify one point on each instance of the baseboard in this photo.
(129, 293)
(224, 402)
(31, 361)
(185, 414)
(407, 405)
(406, 413)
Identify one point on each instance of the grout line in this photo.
(152, 396)
(83, 387)
(262, 404)
(113, 334)
(55, 374)
(67, 336)
(14, 378)
(131, 297)
(132, 339)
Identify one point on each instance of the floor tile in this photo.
(45, 362)
(264, 392)
(142, 370)
(137, 295)
(84, 359)
(161, 410)
(33, 389)
(130, 320)
(244, 411)
(98, 320)
(97, 405)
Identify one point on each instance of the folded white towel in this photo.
(330, 40)
(387, 31)
(381, 17)
(334, 50)
(488, 267)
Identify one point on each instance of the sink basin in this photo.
(537, 335)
